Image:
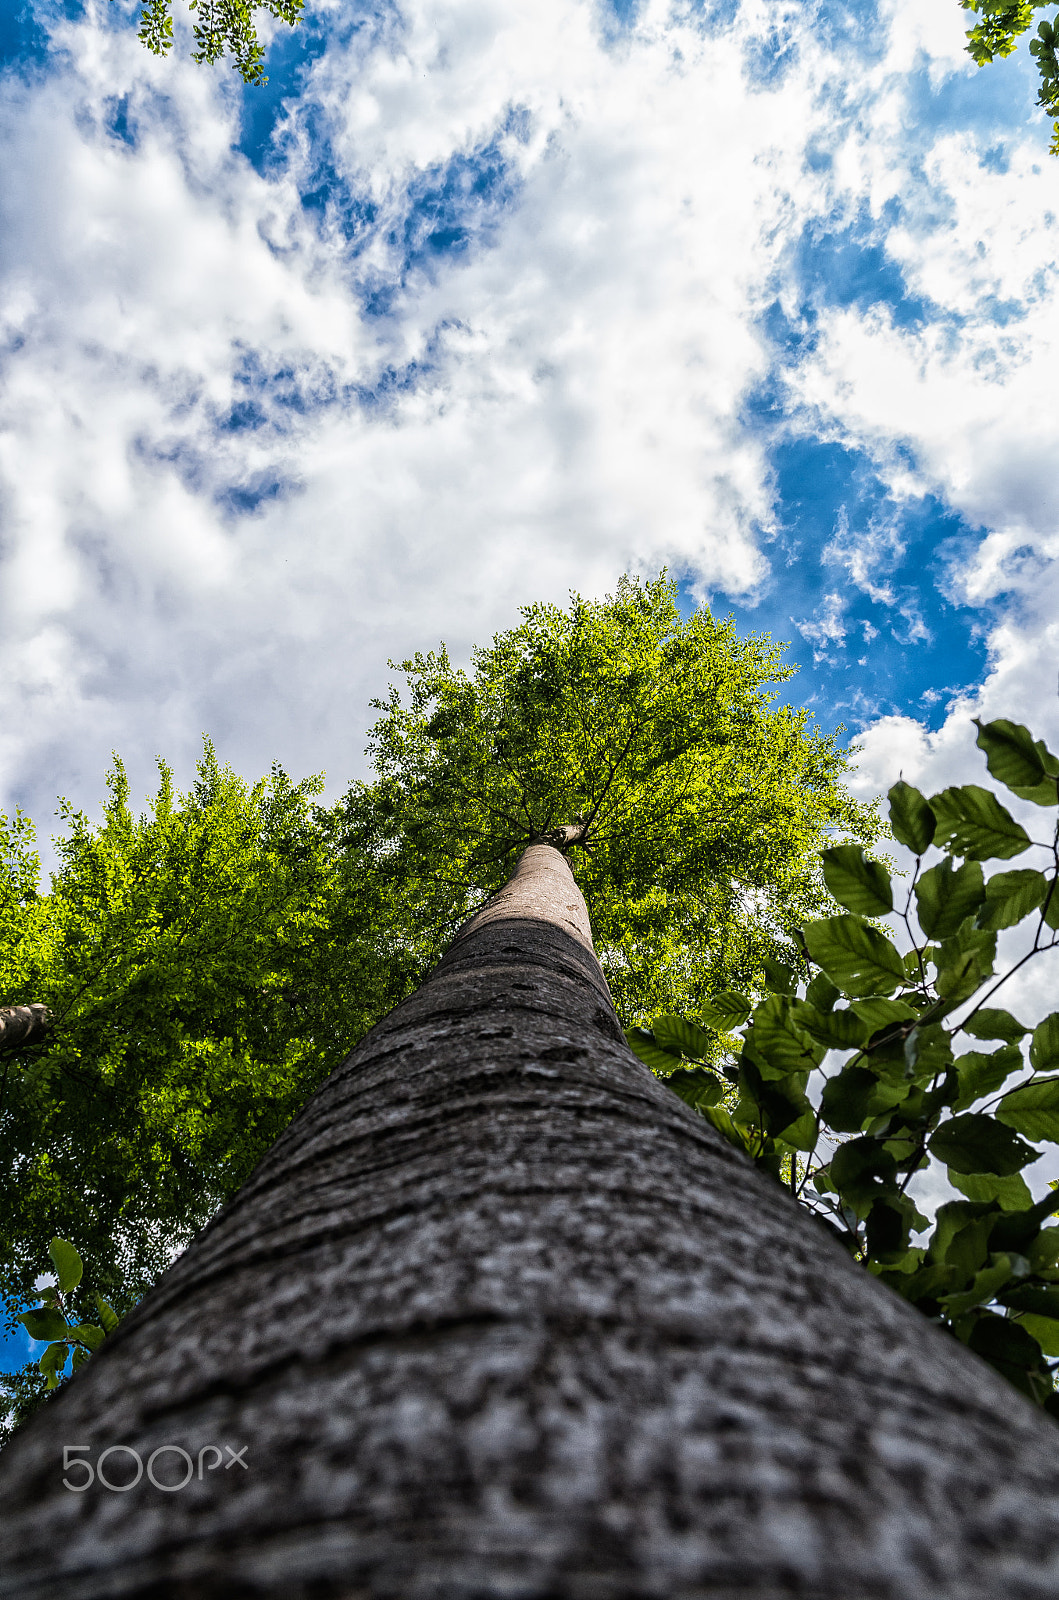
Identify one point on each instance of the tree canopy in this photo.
(693, 803)
(205, 965)
(997, 33)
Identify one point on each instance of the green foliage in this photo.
(206, 965)
(904, 1088)
(996, 34)
(647, 746)
(219, 26)
(70, 1338)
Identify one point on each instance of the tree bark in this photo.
(23, 1025)
(499, 1316)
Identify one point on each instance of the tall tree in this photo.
(700, 802)
(499, 1314)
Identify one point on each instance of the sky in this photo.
(481, 301)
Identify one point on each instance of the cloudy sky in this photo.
(483, 300)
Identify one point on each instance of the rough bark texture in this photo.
(23, 1025)
(499, 1316)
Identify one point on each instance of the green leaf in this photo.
(802, 1133)
(861, 1170)
(52, 1363)
(837, 1030)
(1043, 1302)
(983, 1289)
(1044, 1046)
(858, 958)
(678, 1034)
(1010, 753)
(642, 1043)
(856, 882)
(1011, 1193)
(1004, 1344)
(973, 823)
(911, 819)
(821, 993)
(946, 895)
(696, 1087)
(991, 1023)
(44, 1324)
(107, 1315)
(980, 1073)
(722, 1121)
(974, 1142)
(1015, 759)
(726, 1010)
(779, 978)
(1044, 1330)
(776, 1043)
(855, 1094)
(1033, 1109)
(1010, 896)
(963, 963)
(80, 1357)
(928, 1050)
(879, 1014)
(68, 1264)
(87, 1333)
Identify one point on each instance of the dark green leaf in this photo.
(68, 1265)
(1010, 753)
(928, 1050)
(87, 1333)
(1010, 896)
(52, 1362)
(696, 1087)
(107, 1315)
(980, 1074)
(1044, 1046)
(1045, 1302)
(999, 1339)
(991, 1023)
(860, 1170)
(775, 1041)
(983, 1288)
(44, 1324)
(678, 1034)
(726, 1010)
(855, 1094)
(650, 1052)
(856, 882)
(779, 978)
(1033, 1109)
(946, 895)
(838, 1030)
(973, 823)
(974, 1142)
(911, 818)
(964, 962)
(821, 993)
(879, 1014)
(1011, 1193)
(722, 1121)
(1046, 1332)
(858, 958)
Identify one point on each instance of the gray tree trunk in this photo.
(23, 1025)
(499, 1316)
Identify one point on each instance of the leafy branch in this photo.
(987, 1270)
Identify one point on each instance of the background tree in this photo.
(694, 806)
(204, 966)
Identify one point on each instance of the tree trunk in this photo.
(499, 1316)
(23, 1025)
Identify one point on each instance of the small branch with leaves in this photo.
(987, 1269)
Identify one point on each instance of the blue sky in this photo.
(477, 303)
